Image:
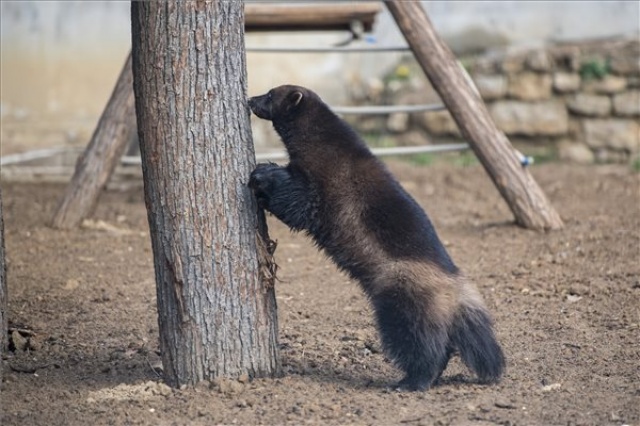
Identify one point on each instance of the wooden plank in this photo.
(309, 17)
(526, 200)
(94, 168)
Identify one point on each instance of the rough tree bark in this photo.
(94, 168)
(521, 192)
(214, 271)
(3, 293)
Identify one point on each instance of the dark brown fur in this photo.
(339, 193)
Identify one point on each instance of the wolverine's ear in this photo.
(296, 98)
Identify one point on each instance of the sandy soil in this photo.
(566, 305)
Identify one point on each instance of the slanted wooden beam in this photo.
(521, 192)
(115, 129)
(302, 17)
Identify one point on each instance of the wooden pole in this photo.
(521, 192)
(115, 129)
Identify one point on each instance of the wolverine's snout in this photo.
(259, 106)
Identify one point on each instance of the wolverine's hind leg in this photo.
(415, 341)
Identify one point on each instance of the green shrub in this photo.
(594, 69)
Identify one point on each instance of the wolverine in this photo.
(341, 195)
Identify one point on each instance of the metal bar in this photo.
(386, 109)
(381, 152)
(408, 150)
(30, 155)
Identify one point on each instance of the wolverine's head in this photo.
(281, 102)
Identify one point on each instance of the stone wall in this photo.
(581, 99)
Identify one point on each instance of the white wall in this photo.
(60, 59)
(59, 63)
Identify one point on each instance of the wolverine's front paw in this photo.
(263, 177)
(264, 180)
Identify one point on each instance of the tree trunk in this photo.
(214, 271)
(3, 294)
(94, 168)
(521, 192)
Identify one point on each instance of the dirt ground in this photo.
(566, 304)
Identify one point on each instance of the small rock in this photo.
(375, 87)
(484, 64)
(566, 82)
(398, 122)
(546, 118)
(373, 346)
(572, 298)
(414, 138)
(491, 86)
(227, 386)
(575, 152)
(551, 387)
(589, 104)
(117, 354)
(530, 86)
(512, 64)
(244, 378)
(503, 403)
(633, 82)
(34, 343)
(438, 123)
(579, 289)
(627, 103)
(625, 64)
(539, 60)
(71, 284)
(162, 389)
(19, 342)
(612, 133)
(608, 85)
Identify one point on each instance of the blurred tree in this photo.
(3, 293)
(212, 256)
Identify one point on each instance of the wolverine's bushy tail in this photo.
(473, 336)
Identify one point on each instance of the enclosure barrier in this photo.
(460, 96)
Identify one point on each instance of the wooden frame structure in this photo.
(526, 200)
